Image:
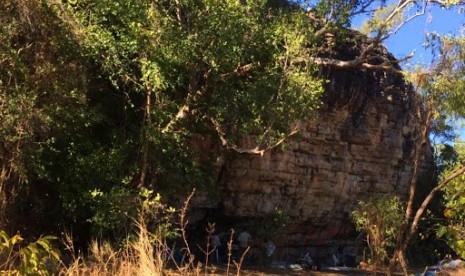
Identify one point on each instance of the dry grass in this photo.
(148, 255)
(144, 256)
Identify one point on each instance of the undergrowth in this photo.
(144, 253)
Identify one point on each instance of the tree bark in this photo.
(406, 233)
(145, 145)
(401, 242)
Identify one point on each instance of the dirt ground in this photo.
(254, 271)
(222, 271)
(280, 272)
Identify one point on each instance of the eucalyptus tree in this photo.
(180, 74)
(439, 94)
(222, 69)
(450, 81)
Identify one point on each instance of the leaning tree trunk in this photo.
(410, 225)
(402, 239)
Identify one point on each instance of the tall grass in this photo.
(145, 254)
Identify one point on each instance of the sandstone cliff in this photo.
(359, 145)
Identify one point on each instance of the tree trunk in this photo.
(3, 199)
(402, 238)
(406, 233)
(145, 145)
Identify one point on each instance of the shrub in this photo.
(380, 217)
(36, 258)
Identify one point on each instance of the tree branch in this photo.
(458, 172)
(363, 9)
(357, 63)
(182, 113)
(417, 14)
(242, 70)
(256, 150)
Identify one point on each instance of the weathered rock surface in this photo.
(359, 145)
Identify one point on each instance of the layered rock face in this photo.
(360, 145)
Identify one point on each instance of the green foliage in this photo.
(444, 81)
(158, 215)
(454, 201)
(377, 21)
(339, 13)
(36, 258)
(380, 218)
(191, 53)
(41, 89)
(230, 65)
(441, 89)
(447, 156)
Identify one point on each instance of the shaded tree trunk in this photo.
(146, 138)
(410, 225)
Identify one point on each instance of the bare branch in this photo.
(183, 222)
(458, 172)
(446, 3)
(399, 8)
(256, 150)
(385, 66)
(242, 70)
(363, 9)
(358, 63)
(178, 11)
(145, 145)
(322, 31)
(182, 113)
(417, 14)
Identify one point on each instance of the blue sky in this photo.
(412, 35)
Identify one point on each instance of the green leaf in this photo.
(442, 230)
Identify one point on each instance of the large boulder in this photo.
(359, 145)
